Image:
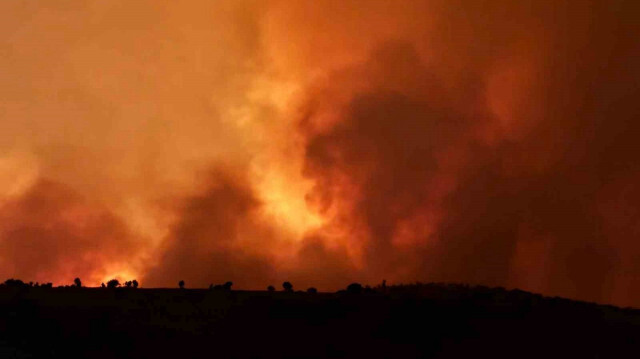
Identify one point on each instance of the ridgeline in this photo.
(406, 321)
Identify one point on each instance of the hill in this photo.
(414, 321)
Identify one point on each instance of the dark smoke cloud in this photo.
(387, 144)
(217, 238)
(318, 265)
(523, 210)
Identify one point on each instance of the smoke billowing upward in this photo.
(217, 238)
(50, 233)
(491, 142)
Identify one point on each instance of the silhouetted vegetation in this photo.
(354, 288)
(312, 290)
(226, 286)
(17, 283)
(288, 287)
(271, 288)
(77, 282)
(131, 284)
(181, 284)
(114, 283)
(14, 283)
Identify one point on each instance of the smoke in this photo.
(123, 105)
(51, 233)
(217, 238)
(324, 142)
(483, 158)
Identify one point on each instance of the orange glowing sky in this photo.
(322, 142)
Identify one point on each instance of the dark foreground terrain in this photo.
(426, 321)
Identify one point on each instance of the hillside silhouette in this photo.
(403, 321)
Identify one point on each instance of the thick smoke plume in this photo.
(50, 233)
(490, 142)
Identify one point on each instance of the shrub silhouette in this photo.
(181, 284)
(135, 283)
(15, 283)
(271, 288)
(102, 285)
(354, 288)
(226, 286)
(114, 283)
(127, 284)
(288, 287)
(312, 290)
(77, 282)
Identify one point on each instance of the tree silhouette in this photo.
(227, 285)
(288, 287)
(181, 284)
(354, 288)
(14, 283)
(135, 283)
(102, 285)
(77, 282)
(271, 288)
(127, 284)
(114, 283)
(312, 290)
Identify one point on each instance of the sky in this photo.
(323, 142)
